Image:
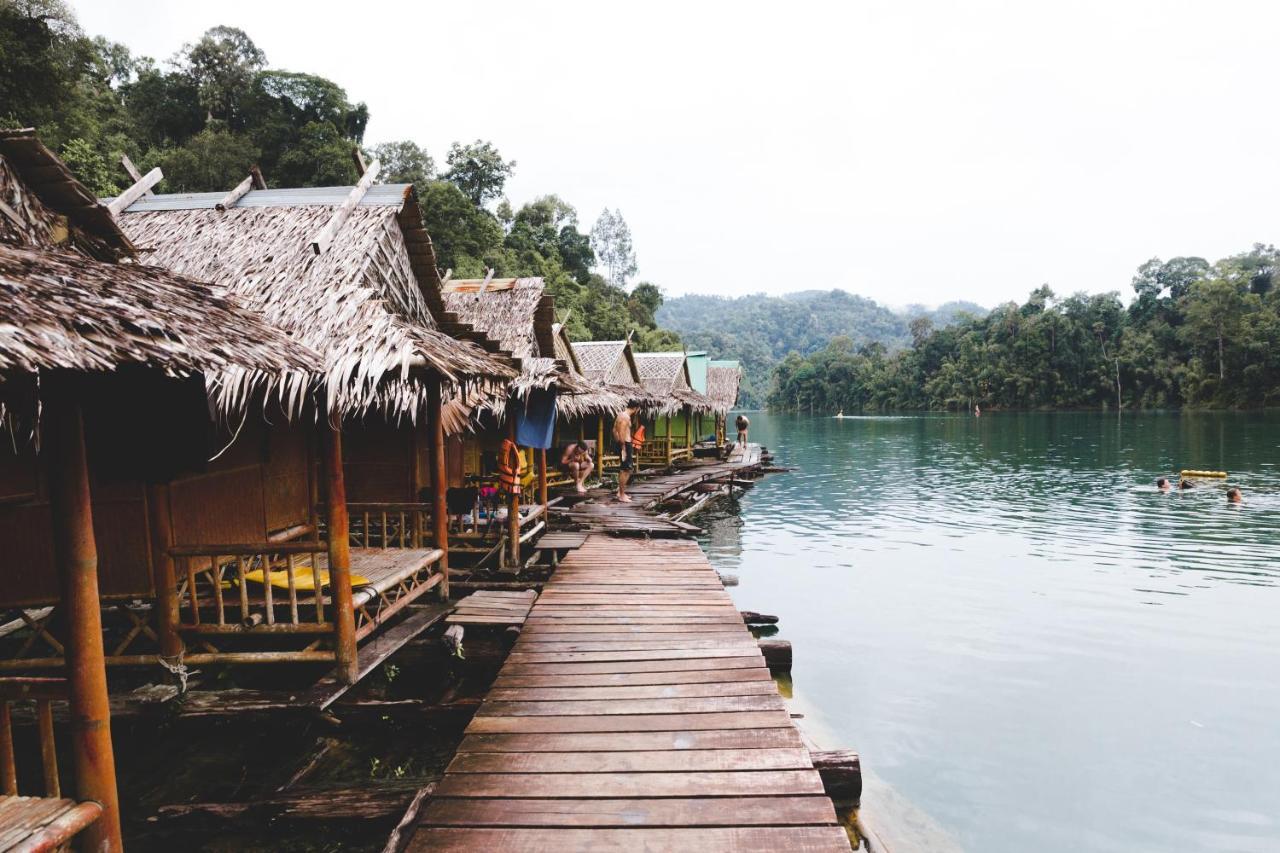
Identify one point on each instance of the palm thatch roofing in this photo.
(51, 207)
(723, 379)
(613, 364)
(63, 309)
(666, 376)
(519, 314)
(368, 303)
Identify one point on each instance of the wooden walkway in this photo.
(601, 511)
(634, 713)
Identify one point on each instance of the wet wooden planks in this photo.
(602, 513)
(493, 607)
(634, 713)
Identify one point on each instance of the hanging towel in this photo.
(536, 419)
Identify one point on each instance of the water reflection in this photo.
(1022, 635)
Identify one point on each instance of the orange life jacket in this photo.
(637, 437)
(509, 464)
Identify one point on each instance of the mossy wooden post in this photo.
(344, 620)
(164, 577)
(439, 480)
(599, 446)
(75, 554)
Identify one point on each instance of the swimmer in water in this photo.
(1234, 496)
(1186, 484)
(1162, 484)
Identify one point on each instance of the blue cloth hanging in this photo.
(536, 419)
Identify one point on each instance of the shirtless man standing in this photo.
(626, 452)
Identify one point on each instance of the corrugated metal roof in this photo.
(379, 195)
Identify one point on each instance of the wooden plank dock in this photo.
(634, 713)
(601, 512)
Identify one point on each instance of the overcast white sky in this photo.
(906, 151)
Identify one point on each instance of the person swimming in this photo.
(1186, 484)
(1163, 484)
(1234, 496)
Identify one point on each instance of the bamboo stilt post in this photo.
(76, 557)
(542, 479)
(599, 446)
(163, 569)
(513, 509)
(344, 620)
(439, 480)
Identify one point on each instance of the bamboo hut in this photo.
(349, 271)
(519, 315)
(103, 373)
(612, 366)
(723, 379)
(585, 415)
(666, 375)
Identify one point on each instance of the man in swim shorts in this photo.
(626, 451)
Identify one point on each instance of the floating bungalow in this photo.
(105, 372)
(723, 380)
(254, 550)
(550, 390)
(611, 365)
(666, 376)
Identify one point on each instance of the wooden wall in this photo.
(259, 484)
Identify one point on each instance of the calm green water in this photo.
(1032, 649)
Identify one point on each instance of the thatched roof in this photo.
(63, 311)
(723, 379)
(666, 376)
(43, 205)
(518, 313)
(613, 365)
(611, 362)
(368, 303)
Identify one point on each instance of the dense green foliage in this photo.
(216, 108)
(761, 330)
(1195, 334)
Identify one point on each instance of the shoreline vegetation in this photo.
(1196, 335)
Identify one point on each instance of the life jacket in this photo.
(637, 437)
(509, 463)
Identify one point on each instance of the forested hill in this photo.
(1194, 334)
(761, 330)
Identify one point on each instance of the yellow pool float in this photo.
(1222, 475)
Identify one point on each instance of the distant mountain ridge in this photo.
(759, 330)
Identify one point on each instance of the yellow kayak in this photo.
(1219, 474)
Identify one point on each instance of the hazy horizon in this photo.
(907, 152)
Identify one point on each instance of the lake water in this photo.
(1032, 648)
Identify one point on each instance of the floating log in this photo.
(777, 654)
(841, 772)
(753, 618)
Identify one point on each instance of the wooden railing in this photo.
(17, 830)
(227, 590)
(43, 692)
(390, 525)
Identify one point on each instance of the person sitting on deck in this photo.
(742, 423)
(1234, 496)
(578, 464)
(626, 451)
(1163, 484)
